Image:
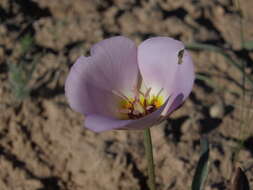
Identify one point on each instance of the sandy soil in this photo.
(43, 144)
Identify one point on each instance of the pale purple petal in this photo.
(100, 123)
(183, 84)
(116, 61)
(159, 66)
(157, 60)
(84, 95)
(173, 104)
(92, 81)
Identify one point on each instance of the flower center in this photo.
(141, 105)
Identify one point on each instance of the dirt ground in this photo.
(43, 144)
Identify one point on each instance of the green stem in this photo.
(149, 157)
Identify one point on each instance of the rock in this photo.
(217, 110)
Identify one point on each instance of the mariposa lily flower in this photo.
(122, 86)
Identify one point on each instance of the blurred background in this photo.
(43, 144)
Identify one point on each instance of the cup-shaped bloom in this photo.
(122, 86)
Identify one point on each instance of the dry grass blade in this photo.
(212, 48)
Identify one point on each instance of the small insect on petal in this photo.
(180, 56)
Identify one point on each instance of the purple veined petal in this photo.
(99, 123)
(173, 104)
(158, 61)
(116, 62)
(92, 82)
(183, 84)
(84, 95)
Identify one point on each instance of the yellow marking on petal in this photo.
(142, 100)
(158, 102)
(141, 105)
(126, 104)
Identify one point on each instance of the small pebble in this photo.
(217, 111)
